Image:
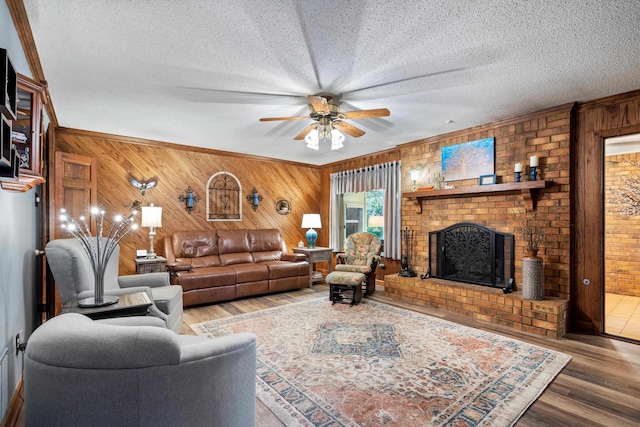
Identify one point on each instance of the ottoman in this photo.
(344, 284)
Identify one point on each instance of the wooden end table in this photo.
(315, 255)
(151, 265)
(133, 304)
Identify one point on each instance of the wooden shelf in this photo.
(528, 189)
(27, 121)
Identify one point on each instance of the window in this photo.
(362, 212)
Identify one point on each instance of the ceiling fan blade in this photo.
(366, 114)
(319, 104)
(305, 131)
(273, 119)
(348, 129)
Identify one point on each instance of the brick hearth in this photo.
(546, 318)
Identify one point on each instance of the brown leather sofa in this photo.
(222, 265)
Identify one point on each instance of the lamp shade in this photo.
(415, 174)
(311, 221)
(151, 216)
(376, 221)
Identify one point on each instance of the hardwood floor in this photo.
(599, 387)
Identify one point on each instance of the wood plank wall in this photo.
(594, 121)
(178, 167)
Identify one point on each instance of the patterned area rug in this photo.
(379, 365)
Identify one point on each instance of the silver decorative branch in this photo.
(98, 248)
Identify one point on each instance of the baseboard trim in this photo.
(16, 405)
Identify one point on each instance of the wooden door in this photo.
(75, 188)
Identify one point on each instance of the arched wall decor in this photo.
(224, 197)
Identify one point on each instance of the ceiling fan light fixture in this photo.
(336, 139)
(312, 140)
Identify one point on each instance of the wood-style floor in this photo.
(599, 387)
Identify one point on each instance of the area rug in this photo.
(379, 365)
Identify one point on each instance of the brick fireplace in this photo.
(544, 134)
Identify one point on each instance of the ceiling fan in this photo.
(329, 121)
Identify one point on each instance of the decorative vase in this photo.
(532, 275)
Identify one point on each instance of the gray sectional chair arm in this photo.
(152, 280)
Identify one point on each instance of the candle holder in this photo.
(518, 176)
(189, 198)
(534, 173)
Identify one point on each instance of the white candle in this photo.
(533, 161)
(518, 167)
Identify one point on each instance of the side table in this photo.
(315, 255)
(151, 265)
(133, 304)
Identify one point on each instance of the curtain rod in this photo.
(367, 168)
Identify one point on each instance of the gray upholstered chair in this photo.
(361, 255)
(74, 278)
(80, 372)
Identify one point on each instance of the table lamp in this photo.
(375, 221)
(311, 221)
(152, 218)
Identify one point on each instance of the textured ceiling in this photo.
(203, 72)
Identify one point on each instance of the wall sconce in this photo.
(414, 174)
(189, 199)
(254, 198)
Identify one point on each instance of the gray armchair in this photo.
(74, 278)
(113, 373)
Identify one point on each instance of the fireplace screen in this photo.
(471, 253)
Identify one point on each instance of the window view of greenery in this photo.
(375, 219)
(363, 212)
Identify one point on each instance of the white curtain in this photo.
(385, 176)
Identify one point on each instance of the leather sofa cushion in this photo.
(266, 256)
(207, 277)
(281, 269)
(195, 244)
(265, 240)
(204, 261)
(250, 272)
(236, 258)
(231, 241)
(233, 247)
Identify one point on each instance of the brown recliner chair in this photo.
(361, 255)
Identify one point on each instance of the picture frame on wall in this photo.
(468, 160)
(283, 207)
(487, 179)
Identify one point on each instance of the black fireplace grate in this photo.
(472, 253)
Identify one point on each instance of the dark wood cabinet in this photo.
(8, 100)
(26, 135)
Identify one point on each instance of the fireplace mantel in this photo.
(528, 189)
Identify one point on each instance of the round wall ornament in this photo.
(283, 207)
